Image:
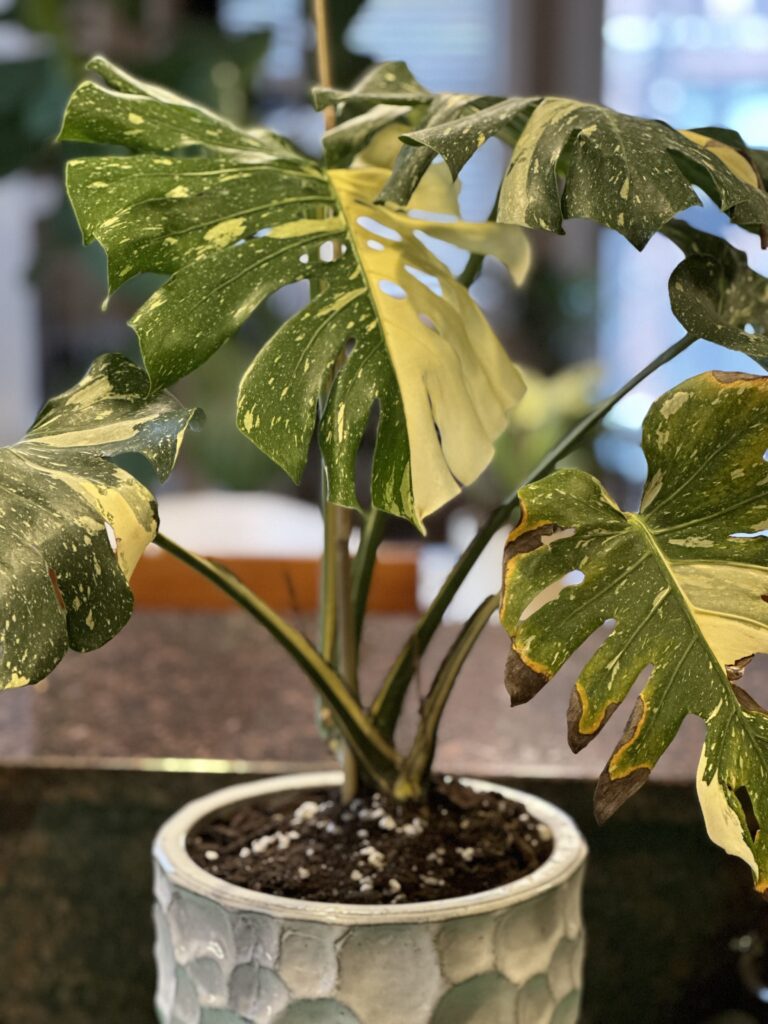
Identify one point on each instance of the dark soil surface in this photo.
(309, 846)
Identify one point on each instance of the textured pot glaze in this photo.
(226, 955)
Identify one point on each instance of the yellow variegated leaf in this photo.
(387, 328)
(684, 583)
(61, 583)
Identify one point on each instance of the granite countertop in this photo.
(216, 685)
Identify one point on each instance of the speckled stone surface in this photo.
(213, 685)
(229, 954)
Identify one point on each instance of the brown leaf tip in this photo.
(521, 680)
(610, 793)
(736, 670)
(577, 740)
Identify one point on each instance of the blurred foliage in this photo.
(187, 52)
(557, 314)
(551, 405)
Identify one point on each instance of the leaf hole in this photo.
(428, 322)
(551, 538)
(329, 252)
(750, 818)
(571, 579)
(111, 535)
(394, 291)
(431, 282)
(304, 258)
(375, 228)
(374, 244)
(749, 329)
(263, 232)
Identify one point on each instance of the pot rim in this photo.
(169, 851)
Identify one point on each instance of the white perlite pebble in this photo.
(355, 875)
(263, 843)
(375, 857)
(211, 855)
(304, 812)
(284, 839)
(394, 886)
(429, 880)
(387, 823)
(302, 873)
(245, 852)
(412, 828)
(467, 853)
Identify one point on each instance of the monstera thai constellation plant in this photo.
(389, 335)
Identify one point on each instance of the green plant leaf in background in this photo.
(685, 582)
(61, 584)
(715, 295)
(625, 172)
(251, 215)
(569, 159)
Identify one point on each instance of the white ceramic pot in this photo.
(227, 955)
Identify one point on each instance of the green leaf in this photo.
(388, 94)
(625, 172)
(685, 582)
(389, 83)
(715, 295)
(61, 584)
(142, 116)
(232, 227)
(570, 159)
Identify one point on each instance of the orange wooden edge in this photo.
(287, 584)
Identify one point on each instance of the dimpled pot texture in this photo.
(228, 955)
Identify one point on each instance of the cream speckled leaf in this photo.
(61, 584)
(628, 173)
(715, 295)
(390, 83)
(385, 94)
(230, 228)
(685, 584)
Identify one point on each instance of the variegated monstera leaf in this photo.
(243, 215)
(685, 583)
(569, 158)
(61, 583)
(716, 295)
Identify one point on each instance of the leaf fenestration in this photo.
(61, 584)
(684, 581)
(235, 224)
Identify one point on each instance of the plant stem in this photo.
(337, 614)
(469, 274)
(412, 781)
(380, 760)
(386, 707)
(328, 580)
(363, 566)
